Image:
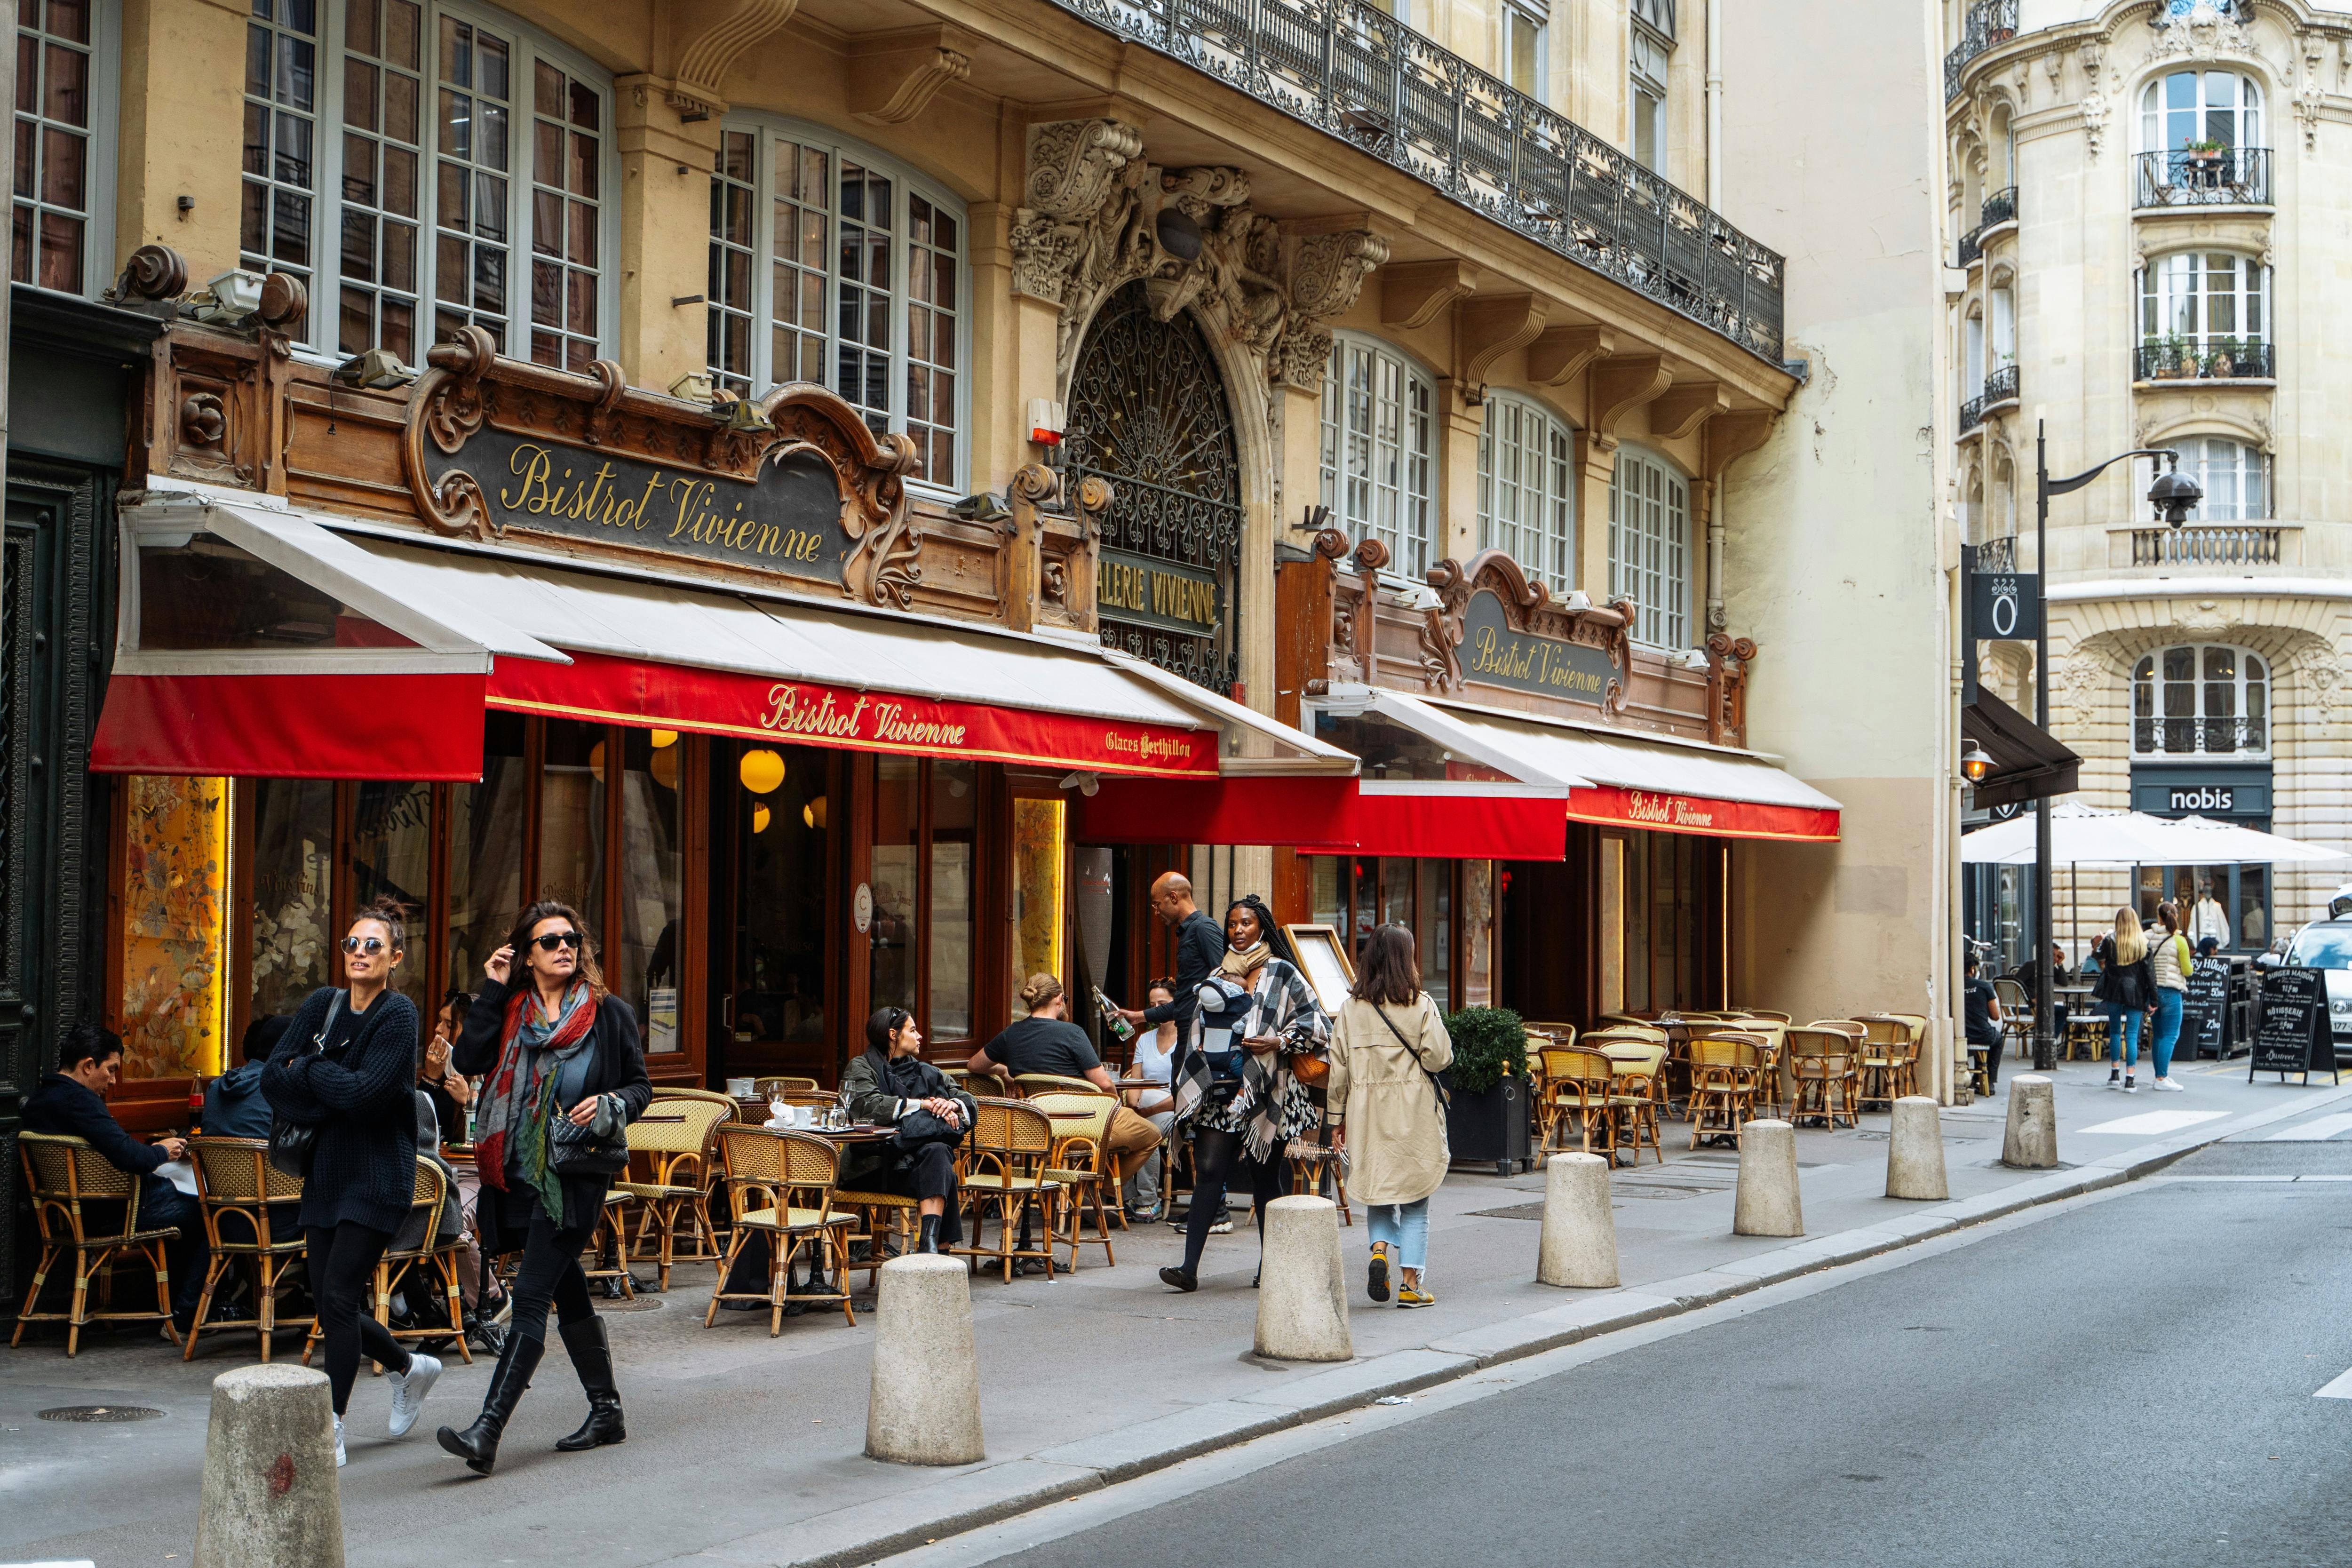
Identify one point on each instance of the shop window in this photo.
(1527, 490)
(486, 822)
(172, 999)
(1353, 895)
(1655, 890)
(1039, 832)
(921, 946)
(782, 899)
(1649, 547)
(2231, 904)
(2200, 700)
(895, 961)
(833, 265)
(955, 833)
(372, 124)
(1379, 450)
(572, 820)
(62, 229)
(292, 871)
(1479, 906)
(642, 954)
(389, 854)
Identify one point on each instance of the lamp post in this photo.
(2172, 495)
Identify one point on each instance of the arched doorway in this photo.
(1147, 412)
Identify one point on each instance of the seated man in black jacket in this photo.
(68, 1100)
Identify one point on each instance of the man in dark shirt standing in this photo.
(1199, 948)
(68, 1102)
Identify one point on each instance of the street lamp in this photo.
(1975, 763)
(2173, 495)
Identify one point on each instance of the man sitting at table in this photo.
(68, 1102)
(2028, 975)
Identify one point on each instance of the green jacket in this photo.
(866, 1166)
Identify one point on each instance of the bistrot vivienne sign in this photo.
(1663, 812)
(1548, 667)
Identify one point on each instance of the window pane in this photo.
(572, 820)
(293, 879)
(895, 965)
(650, 942)
(1038, 832)
(174, 1004)
(955, 818)
(390, 855)
(780, 965)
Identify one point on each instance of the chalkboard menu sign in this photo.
(2205, 1012)
(2292, 1033)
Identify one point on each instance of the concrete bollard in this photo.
(1579, 1233)
(1914, 1151)
(1767, 1202)
(1302, 1298)
(2031, 1139)
(269, 1497)
(923, 1405)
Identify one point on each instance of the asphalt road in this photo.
(2129, 1383)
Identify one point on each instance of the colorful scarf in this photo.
(521, 1100)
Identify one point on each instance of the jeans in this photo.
(2123, 1034)
(343, 1281)
(1405, 1228)
(1144, 1185)
(188, 1255)
(550, 1272)
(2167, 1027)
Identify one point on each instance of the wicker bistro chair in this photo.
(766, 1087)
(1770, 1036)
(62, 1173)
(1763, 1012)
(1311, 1165)
(780, 1185)
(431, 1260)
(1580, 1082)
(1825, 1062)
(672, 1142)
(1080, 1164)
(1725, 1073)
(236, 1187)
(1012, 1148)
(1886, 1069)
(1029, 1085)
(1637, 1093)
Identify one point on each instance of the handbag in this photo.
(919, 1129)
(1443, 1082)
(599, 1149)
(294, 1144)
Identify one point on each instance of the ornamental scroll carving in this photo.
(1092, 222)
(1527, 610)
(794, 484)
(1727, 658)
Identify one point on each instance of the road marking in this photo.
(2156, 1121)
(2317, 1130)
(2339, 1389)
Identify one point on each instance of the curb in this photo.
(989, 1493)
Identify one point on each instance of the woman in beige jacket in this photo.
(1388, 1045)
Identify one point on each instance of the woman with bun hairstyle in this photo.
(565, 1076)
(346, 1068)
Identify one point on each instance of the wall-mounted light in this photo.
(761, 818)
(813, 815)
(1085, 781)
(1975, 764)
(761, 771)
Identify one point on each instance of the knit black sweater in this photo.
(362, 1102)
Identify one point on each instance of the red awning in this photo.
(1327, 817)
(424, 727)
(1663, 812)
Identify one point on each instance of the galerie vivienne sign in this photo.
(787, 521)
(1147, 591)
(1548, 667)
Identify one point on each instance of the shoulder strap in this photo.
(1444, 1096)
(334, 1011)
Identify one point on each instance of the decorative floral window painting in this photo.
(174, 877)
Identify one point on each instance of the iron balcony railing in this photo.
(2000, 386)
(1999, 207)
(1971, 248)
(1989, 22)
(1359, 74)
(2207, 544)
(2231, 176)
(2229, 737)
(1972, 413)
(1998, 555)
(2212, 359)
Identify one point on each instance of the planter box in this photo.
(1491, 1128)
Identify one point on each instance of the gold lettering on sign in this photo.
(1534, 660)
(1120, 585)
(1668, 810)
(540, 492)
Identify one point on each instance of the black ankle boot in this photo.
(478, 1445)
(592, 1358)
(928, 1241)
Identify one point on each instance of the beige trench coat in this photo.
(1397, 1150)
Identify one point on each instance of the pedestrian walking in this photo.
(1236, 1096)
(1388, 1045)
(566, 1077)
(2127, 985)
(346, 1069)
(2170, 961)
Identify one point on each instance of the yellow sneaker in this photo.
(1414, 1296)
(1376, 1282)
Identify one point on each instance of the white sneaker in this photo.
(2167, 1086)
(339, 1442)
(409, 1389)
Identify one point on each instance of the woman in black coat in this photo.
(345, 1068)
(560, 1077)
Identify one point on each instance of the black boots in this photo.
(478, 1445)
(930, 1239)
(592, 1358)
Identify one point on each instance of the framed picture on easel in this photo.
(1323, 958)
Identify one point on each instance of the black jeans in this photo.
(343, 1283)
(549, 1270)
(1219, 1158)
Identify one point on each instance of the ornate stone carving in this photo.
(2075, 683)
(2310, 96)
(2202, 33)
(2094, 107)
(1727, 658)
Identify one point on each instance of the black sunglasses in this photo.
(550, 941)
(371, 945)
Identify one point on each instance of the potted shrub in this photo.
(2204, 159)
(1488, 1120)
(2223, 359)
(2169, 357)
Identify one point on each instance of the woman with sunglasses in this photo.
(566, 1077)
(346, 1068)
(890, 1086)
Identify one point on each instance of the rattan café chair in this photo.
(673, 1137)
(432, 1262)
(238, 1190)
(1012, 1146)
(1081, 1166)
(62, 1173)
(780, 1185)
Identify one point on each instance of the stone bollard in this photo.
(1580, 1234)
(1914, 1151)
(1767, 1202)
(269, 1497)
(1302, 1298)
(923, 1405)
(2030, 1140)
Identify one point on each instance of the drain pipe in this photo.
(1715, 104)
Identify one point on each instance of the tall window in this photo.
(2204, 299)
(1526, 42)
(2202, 108)
(2202, 699)
(830, 267)
(1649, 547)
(2001, 349)
(371, 124)
(1527, 490)
(58, 226)
(1647, 53)
(1379, 443)
(2234, 476)
(1972, 356)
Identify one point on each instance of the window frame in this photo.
(2246, 120)
(321, 327)
(1657, 86)
(2147, 676)
(104, 89)
(908, 181)
(2156, 293)
(1535, 17)
(1561, 509)
(1409, 545)
(1664, 624)
(2250, 459)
